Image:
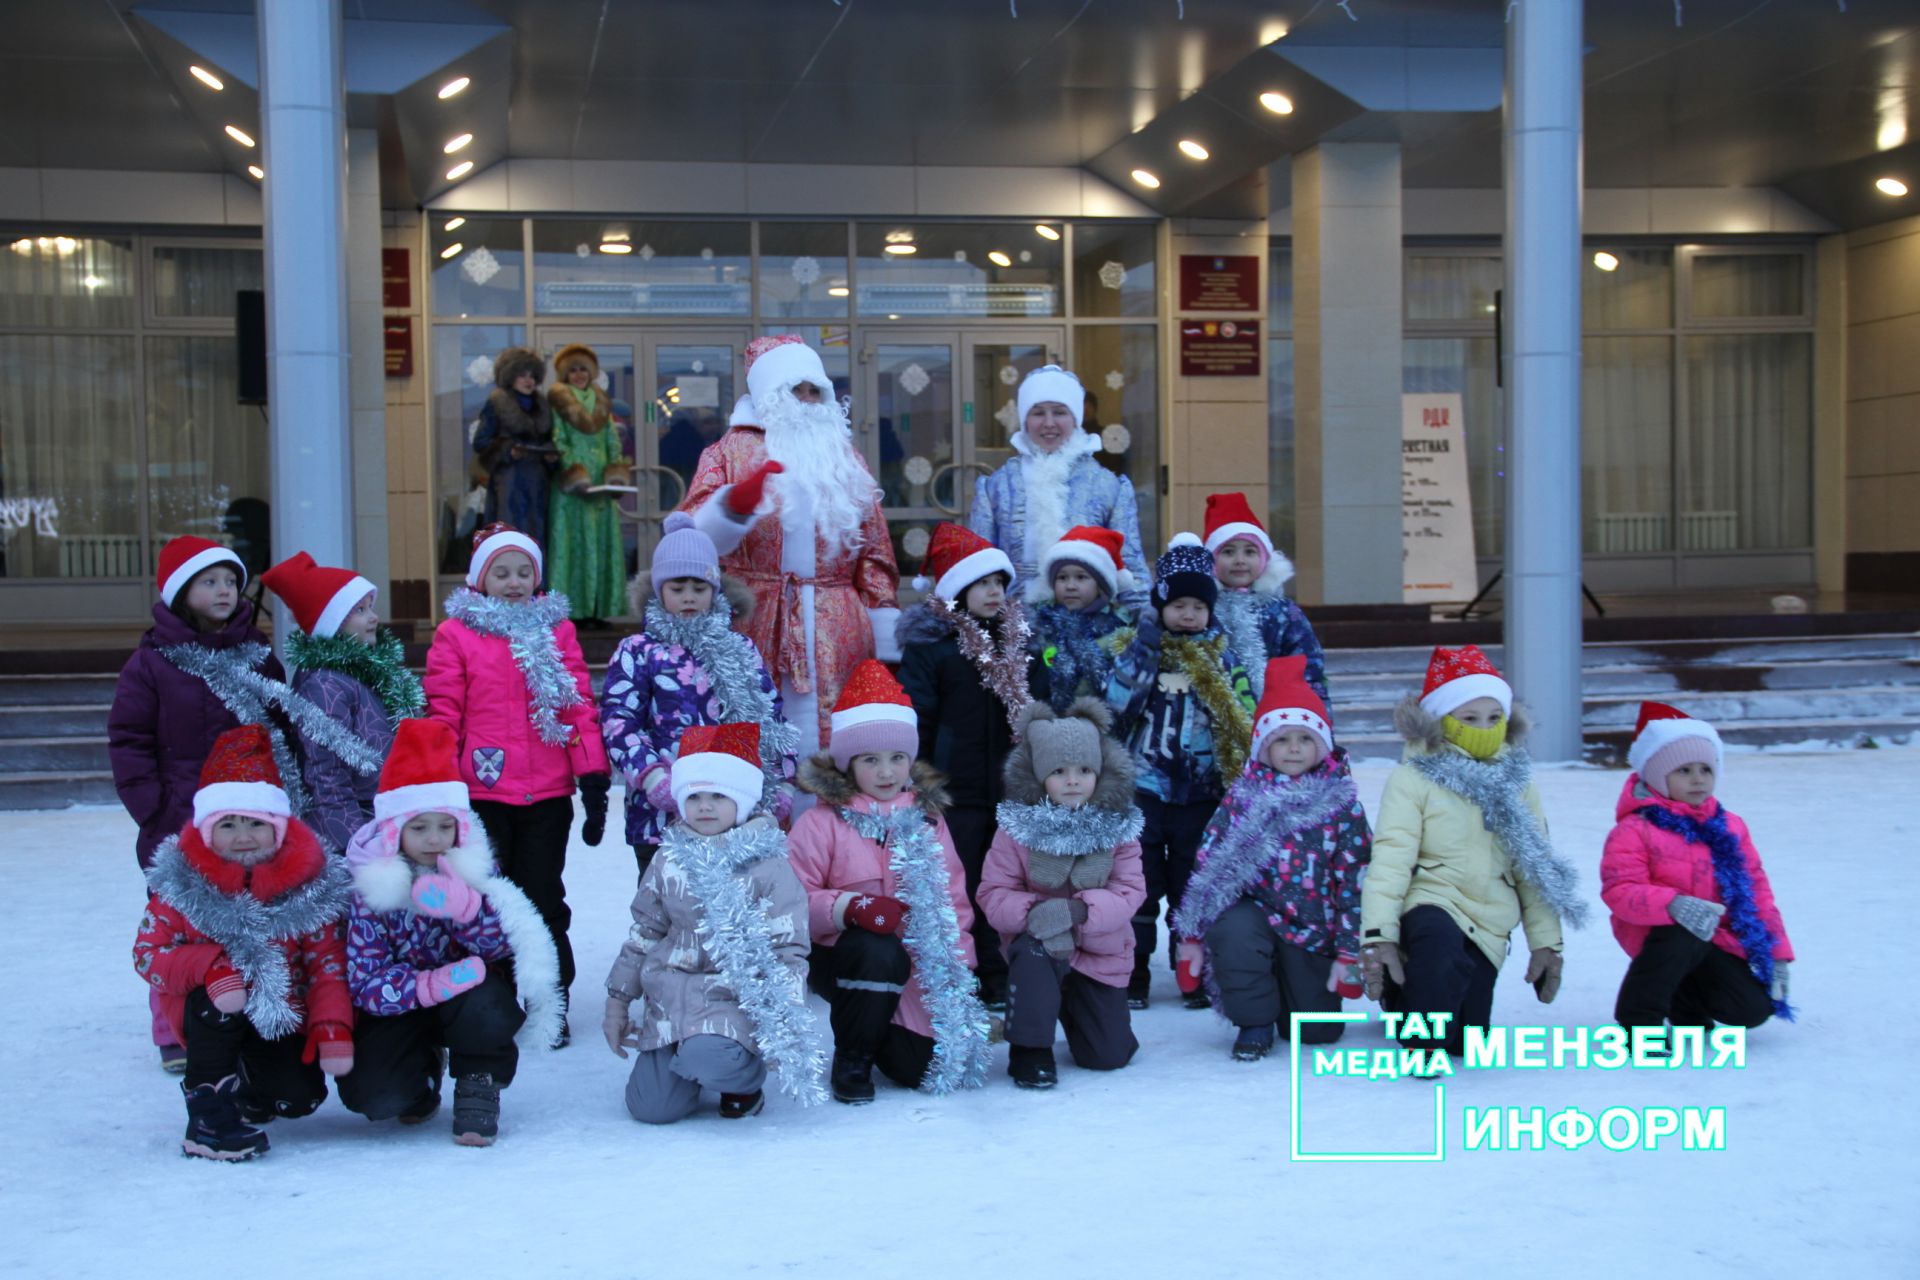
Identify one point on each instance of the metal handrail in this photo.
(637, 516)
(933, 485)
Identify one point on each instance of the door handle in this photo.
(933, 485)
(680, 486)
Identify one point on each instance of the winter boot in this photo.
(422, 1110)
(1137, 988)
(993, 993)
(1195, 999)
(1032, 1068)
(214, 1128)
(173, 1059)
(852, 1077)
(476, 1110)
(738, 1106)
(1253, 1043)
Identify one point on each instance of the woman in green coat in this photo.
(586, 560)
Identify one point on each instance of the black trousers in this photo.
(530, 843)
(643, 855)
(396, 1058)
(972, 831)
(271, 1073)
(1264, 980)
(1446, 973)
(862, 977)
(1168, 843)
(1690, 982)
(1042, 991)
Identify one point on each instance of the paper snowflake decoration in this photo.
(601, 380)
(699, 366)
(1113, 274)
(914, 380)
(480, 266)
(1008, 416)
(581, 251)
(1115, 380)
(479, 371)
(914, 542)
(959, 255)
(1026, 255)
(646, 253)
(706, 255)
(918, 470)
(1009, 374)
(805, 271)
(1115, 438)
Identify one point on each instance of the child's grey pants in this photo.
(665, 1084)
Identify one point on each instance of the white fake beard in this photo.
(814, 442)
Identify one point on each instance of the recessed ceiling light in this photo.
(615, 246)
(999, 259)
(1193, 150)
(899, 237)
(838, 291)
(1606, 261)
(901, 250)
(1046, 232)
(454, 224)
(93, 282)
(452, 250)
(1146, 178)
(259, 174)
(1278, 103)
(460, 171)
(893, 317)
(240, 135)
(454, 144)
(454, 86)
(207, 78)
(1891, 187)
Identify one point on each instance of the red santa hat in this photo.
(185, 558)
(1665, 738)
(321, 598)
(490, 541)
(240, 776)
(957, 557)
(1228, 517)
(422, 773)
(1094, 549)
(780, 361)
(873, 714)
(723, 758)
(1457, 676)
(1289, 702)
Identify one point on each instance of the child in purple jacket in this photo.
(686, 667)
(441, 951)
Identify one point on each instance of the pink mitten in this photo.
(437, 986)
(660, 792)
(445, 895)
(1344, 980)
(1186, 970)
(225, 988)
(332, 1043)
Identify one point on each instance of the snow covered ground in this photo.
(1176, 1166)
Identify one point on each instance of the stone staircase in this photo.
(1846, 690)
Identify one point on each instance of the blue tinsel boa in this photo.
(1736, 887)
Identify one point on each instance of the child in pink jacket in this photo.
(1691, 903)
(887, 902)
(505, 670)
(1062, 882)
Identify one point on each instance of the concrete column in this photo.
(1542, 325)
(303, 128)
(366, 339)
(1347, 359)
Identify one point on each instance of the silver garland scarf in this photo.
(1003, 669)
(932, 938)
(1497, 786)
(1255, 839)
(1239, 613)
(250, 930)
(734, 668)
(1064, 844)
(735, 929)
(528, 631)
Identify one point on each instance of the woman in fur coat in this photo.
(584, 549)
(1062, 883)
(513, 450)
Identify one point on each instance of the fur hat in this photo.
(1094, 549)
(185, 558)
(1050, 384)
(513, 362)
(1458, 676)
(780, 361)
(873, 714)
(1026, 781)
(492, 540)
(1666, 738)
(321, 598)
(1289, 702)
(240, 776)
(1185, 570)
(566, 355)
(723, 758)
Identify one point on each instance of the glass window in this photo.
(945, 269)
(1749, 285)
(627, 267)
(1113, 268)
(196, 282)
(1627, 289)
(206, 453)
(462, 377)
(1120, 367)
(1452, 286)
(61, 281)
(477, 265)
(803, 269)
(1747, 443)
(69, 466)
(1466, 365)
(1280, 292)
(1626, 445)
(1281, 523)
(913, 413)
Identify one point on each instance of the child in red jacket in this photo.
(1691, 903)
(243, 944)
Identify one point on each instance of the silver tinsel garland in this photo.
(250, 931)
(736, 931)
(1498, 786)
(528, 630)
(1003, 668)
(1255, 838)
(733, 664)
(1240, 613)
(932, 938)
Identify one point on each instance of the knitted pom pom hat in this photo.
(321, 598)
(723, 758)
(684, 552)
(1666, 738)
(873, 714)
(1094, 549)
(1289, 702)
(185, 558)
(1185, 570)
(240, 776)
(1458, 676)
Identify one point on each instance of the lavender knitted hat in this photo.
(684, 552)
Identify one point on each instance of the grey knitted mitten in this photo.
(1696, 915)
(1051, 921)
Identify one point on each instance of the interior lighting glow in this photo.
(454, 86)
(207, 78)
(1606, 261)
(999, 259)
(1146, 178)
(460, 171)
(451, 251)
(1890, 187)
(240, 135)
(1193, 150)
(1045, 232)
(1278, 103)
(455, 144)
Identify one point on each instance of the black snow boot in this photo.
(852, 1077)
(476, 1110)
(1032, 1068)
(1137, 988)
(422, 1109)
(1253, 1043)
(215, 1130)
(738, 1106)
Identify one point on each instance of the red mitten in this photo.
(225, 987)
(877, 913)
(744, 498)
(1345, 978)
(1186, 970)
(332, 1043)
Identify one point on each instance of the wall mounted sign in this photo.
(396, 279)
(1436, 509)
(399, 346)
(1210, 282)
(1219, 348)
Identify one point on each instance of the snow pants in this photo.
(396, 1058)
(665, 1084)
(862, 977)
(530, 844)
(972, 830)
(1042, 991)
(271, 1073)
(1262, 980)
(1446, 973)
(1691, 982)
(1168, 844)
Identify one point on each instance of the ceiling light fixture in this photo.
(454, 144)
(460, 171)
(838, 291)
(899, 237)
(1606, 261)
(1278, 103)
(454, 86)
(999, 259)
(1146, 178)
(207, 78)
(451, 251)
(1890, 187)
(615, 246)
(902, 250)
(454, 224)
(259, 174)
(1193, 150)
(1045, 232)
(240, 135)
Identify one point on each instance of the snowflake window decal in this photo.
(805, 270)
(1115, 438)
(480, 266)
(1113, 274)
(1115, 380)
(479, 371)
(913, 380)
(914, 542)
(646, 252)
(1009, 374)
(1008, 416)
(918, 470)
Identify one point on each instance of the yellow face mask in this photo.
(1481, 744)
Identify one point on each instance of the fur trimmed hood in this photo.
(738, 594)
(1422, 730)
(298, 861)
(1114, 791)
(834, 787)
